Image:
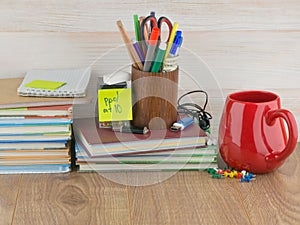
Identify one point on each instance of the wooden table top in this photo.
(151, 198)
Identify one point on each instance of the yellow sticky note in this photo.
(45, 84)
(114, 104)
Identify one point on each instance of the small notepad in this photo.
(114, 104)
(55, 83)
(45, 84)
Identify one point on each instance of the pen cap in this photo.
(154, 36)
(154, 98)
(178, 33)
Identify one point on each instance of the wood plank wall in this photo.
(228, 44)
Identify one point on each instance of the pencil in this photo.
(131, 51)
(146, 32)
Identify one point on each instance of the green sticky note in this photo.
(16, 109)
(45, 84)
(114, 104)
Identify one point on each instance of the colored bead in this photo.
(239, 176)
(243, 176)
(250, 175)
(211, 170)
(226, 174)
(231, 174)
(218, 176)
(246, 179)
(220, 172)
(243, 172)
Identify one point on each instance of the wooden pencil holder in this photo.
(154, 98)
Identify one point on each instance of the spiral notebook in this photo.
(56, 83)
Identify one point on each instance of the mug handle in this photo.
(293, 133)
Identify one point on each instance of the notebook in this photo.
(100, 142)
(73, 83)
(9, 97)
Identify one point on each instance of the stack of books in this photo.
(104, 150)
(35, 132)
(34, 136)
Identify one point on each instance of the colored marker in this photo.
(138, 50)
(150, 56)
(159, 57)
(136, 27)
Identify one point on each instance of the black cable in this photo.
(195, 110)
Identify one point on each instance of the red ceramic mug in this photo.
(252, 135)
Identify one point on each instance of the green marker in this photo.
(136, 27)
(159, 57)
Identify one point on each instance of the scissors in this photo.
(145, 31)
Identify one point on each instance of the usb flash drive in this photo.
(182, 123)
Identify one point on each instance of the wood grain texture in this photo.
(153, 198)
(187, 198)
(255, 59)
(274, 198)
(9, 187)
(71, 199)
(56, 50)
(91, 15)
(208, 59)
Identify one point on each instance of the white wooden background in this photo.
(228, 44)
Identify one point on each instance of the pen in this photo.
(150, 56)
(138, 50)
(176, 43)
(179, 45)
(159, 57)
(171, 39)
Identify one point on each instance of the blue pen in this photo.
(182, 123)
(179, 45)
(176, 43)
(174, 46)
